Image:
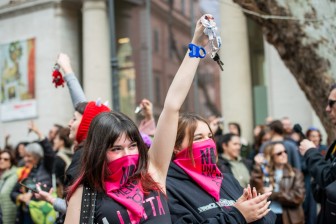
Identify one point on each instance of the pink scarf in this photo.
(205, 171)
(119, 188)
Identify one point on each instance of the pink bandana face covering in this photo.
(118, 187)
(205, 171)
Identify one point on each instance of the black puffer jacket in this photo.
(324, 173)
(189, 203)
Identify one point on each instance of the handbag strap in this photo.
(88, 205)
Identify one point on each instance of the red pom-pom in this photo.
(57, 78)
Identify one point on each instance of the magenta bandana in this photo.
(118, 186)
(205, 171)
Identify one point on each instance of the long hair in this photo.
(187, 125)
(104, 130)
(268, 153)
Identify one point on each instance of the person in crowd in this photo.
(277, 135)
(287, 127)
(234, 128)
(20, 151)
(79, 126)
(8, 180)
(147, 125)
(53, 132)
(62, 157)
(38, 168)
(216, 124)
(314, 135)
(130, 180)
(230, 160)
(309, 203)
(323, 170)
(197, 190)
(62, 146)
(285, 181)
(261, 135)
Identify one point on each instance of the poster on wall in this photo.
(17, 80)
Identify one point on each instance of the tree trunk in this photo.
(306, 47)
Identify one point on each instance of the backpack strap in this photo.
(88, 205)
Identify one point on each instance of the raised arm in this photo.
(75, 89)
(163, 144)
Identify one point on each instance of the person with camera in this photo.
(323, 170)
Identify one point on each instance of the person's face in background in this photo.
(232, 148)
(58, 143)
(74, 124)
(256, 130)
(331, 106)
(287, 125)
(30, 160)
(52, 133)
(266, 137)
(5, 162)
(22, 150)
(202, 133)
(233, 129)
(123, 146)
(279, 154)
(314, 136)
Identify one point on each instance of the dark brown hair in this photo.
(104, 130)
(63, 134)
(11, 156)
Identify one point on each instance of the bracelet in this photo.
(195, 51)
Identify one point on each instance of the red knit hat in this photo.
(92, 109)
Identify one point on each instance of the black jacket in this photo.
(324, 173)
(40, 173)
(188, 203)
(71, 174)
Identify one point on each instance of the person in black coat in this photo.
(198, 192)
(323, 170)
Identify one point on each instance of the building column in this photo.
(96, 51)
(236, 87)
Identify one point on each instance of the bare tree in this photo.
(303, 32)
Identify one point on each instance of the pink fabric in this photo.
(118, 186)
(205, 171)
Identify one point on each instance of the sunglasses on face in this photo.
(4, 159)
(280, 153)
(331, 103)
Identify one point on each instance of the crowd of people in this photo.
(103, 168)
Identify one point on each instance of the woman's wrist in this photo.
(51, 200)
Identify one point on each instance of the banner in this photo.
(17, 80)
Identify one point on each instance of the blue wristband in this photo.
(195, 51)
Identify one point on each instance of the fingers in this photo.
(264, 210)
(243, 197)
(254, 192)
(249, 191)
(262, 197)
